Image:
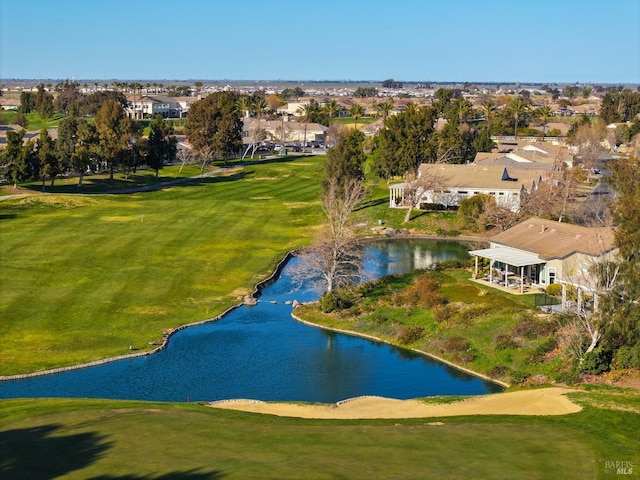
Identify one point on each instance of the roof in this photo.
(482, 176)
(291, 125)
(553, 240)
(508, 256)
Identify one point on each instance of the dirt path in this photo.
(544, 401)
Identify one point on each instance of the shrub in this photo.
(555, 289)
(500, 371)
(517, 377)
(531, 327)
(504, 342)
(453, 264)
(456, 344)
(379, 318)
(539, 352)
(330, 302)
(465, 357)
(21, 120)
(425, 293)
(597, 361)
(570, 377)
(444, 313)
(627, 357)
(410, 334)
(476, 312)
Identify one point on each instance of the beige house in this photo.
(537, 155)
(147, 106)
(459, 182)
(538, 253)
(283, 131)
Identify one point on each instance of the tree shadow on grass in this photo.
(195, 474)
(104, 186)
(44, 452)
(272, 159)
(371, 203)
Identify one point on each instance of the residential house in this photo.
(147, 106)
(536, 155)
(449, 184)
(283, 131)
(539, 252)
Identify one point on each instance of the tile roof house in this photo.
(541, 252)
(458, 182)
(538, 155)
(289, 131)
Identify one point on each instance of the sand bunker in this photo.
(544, 401)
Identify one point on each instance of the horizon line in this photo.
(345, 81)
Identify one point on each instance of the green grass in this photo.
(352, 120)
(35, 121)
(85, 276)
(120, 439)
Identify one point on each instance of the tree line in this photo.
(111, 139)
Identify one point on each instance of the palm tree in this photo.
(259, 106)
(198, 86)
(305, 110)
(242, 105)
(331, 108)
(463, 109)
(488, 109)
(384, 109)
(356, 112)
(544, 113)
(518, 108)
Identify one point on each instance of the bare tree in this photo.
(336, 258)
(588, 138)
(257, 135)
(416, 185)
(591, 276)
(185, 156)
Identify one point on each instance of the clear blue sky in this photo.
(410, 40)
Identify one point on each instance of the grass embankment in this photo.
(445, 314)
(111, 439)
(85, 276)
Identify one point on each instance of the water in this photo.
(260, 352)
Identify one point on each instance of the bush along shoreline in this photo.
(440, 312)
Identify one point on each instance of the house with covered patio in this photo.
(538, 252)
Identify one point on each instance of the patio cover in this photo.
(508, 256)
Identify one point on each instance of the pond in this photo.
(262, 353)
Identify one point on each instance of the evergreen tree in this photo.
(162, 145)
(344, 161)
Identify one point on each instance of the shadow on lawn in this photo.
(45, 452)
(104, 186)
(185, 474)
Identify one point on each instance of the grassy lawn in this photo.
(352, 120)
(35, 121)
(85, 276)
(110, 439)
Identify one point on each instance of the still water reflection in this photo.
(260, 352)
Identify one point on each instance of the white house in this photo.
(147, 106)
(459, 182)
